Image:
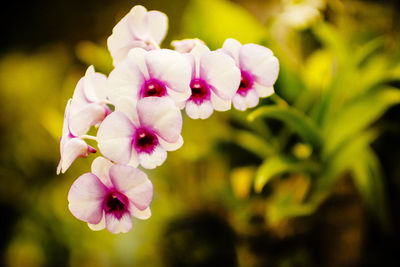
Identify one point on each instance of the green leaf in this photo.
(277, 165)
(294, 119)
(253, 143)
(342, 160)
(328, 35)
(215, 20)
(368, 178)
(356, 115)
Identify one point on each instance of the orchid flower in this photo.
(142, 132)
(71, 146)
(214, 81)
(259, 70)
(110, 195)
(139, 28)
(161, 73)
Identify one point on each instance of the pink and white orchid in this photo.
(71, 145)
(186, 45)
(259, 70)
(88, 106)
(110, 195)
(160, 73)
(214, 81)
(139, 28)
(142, 132)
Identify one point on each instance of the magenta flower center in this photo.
(116, 203)
(246, 83)
(200, 91)
(145, 140)
(153, 88)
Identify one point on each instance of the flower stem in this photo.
(90, 137)
(279, 100)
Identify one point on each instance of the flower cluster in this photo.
(137, 111)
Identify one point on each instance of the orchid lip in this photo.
(116, 203)
(246, 83)
(153, 87)
(200, 91)
(144, 140)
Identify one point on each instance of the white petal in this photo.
(197, 52)
(150, 161)
(243, 102)
(100, 226)
(232, 47)
(86, 197)
(202, 111)
(140, 214)
(157, 24)
(125, 81)
(186, 45)
(127, 34)
(171, 68)
(71, 149)
(95, 88)
(138, 57)
(115, 136)
(116, 226)
(101, 168)
(220, 104)
(220, 71)
(128, 106)
(260, 62)
(83, 117)
(133, 183)
(161, 115)
(171, 146)
(263, 91)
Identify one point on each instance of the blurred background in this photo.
(310, 177)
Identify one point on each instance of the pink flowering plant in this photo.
(136, 111)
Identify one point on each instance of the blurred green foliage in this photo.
(258, 171)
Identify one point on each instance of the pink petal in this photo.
(220, 104)
(232, 47)
(133, 183)
(161, 115)
(171, 68)
(219, 70)
(115, 226)
(243, 102)
(99, 226)
(263, 91)
(115, 136)
(202, 111)
(260, 62)
(101, 168)
(86, 197)
(153, 160)
(141, 214)
(171, 146)
(157, 23)
(125, 81)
